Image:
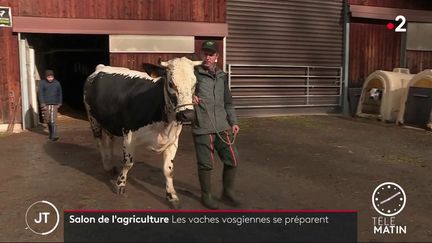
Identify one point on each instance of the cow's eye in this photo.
(172, 87)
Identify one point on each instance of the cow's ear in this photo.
(154, 71)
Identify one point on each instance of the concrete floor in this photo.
(299, 162)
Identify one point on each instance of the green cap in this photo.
(209, 46)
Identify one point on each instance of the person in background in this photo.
(50, 99)
(215, 126)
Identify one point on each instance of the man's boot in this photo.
(54, 136)
(50, 130)
(205, 182)
(228, 194)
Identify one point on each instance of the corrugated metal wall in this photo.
(284, 32)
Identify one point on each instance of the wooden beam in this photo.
(119, 27)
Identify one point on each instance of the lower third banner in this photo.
(210, 226)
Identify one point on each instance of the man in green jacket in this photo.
(215, 126)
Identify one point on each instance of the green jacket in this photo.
(216, 105)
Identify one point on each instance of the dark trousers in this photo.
(52, 128)
(50, 118)
(206, 144)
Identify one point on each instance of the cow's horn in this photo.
(163, 64)
(196, 63)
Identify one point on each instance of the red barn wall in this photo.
(211, 11)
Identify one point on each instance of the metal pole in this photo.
(224, 54)
(229, 76)
(403, 63)
(341, 85)
(307, 85)
(344, 98)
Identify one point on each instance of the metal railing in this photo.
(311, 79)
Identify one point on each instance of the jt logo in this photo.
(45, 214)
(42, 218)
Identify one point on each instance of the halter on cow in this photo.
(142, 109)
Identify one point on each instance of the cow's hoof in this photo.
(173, 201)
(174, 204)
(121, 190)
(118, 189)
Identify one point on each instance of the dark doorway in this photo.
(73, 58)
(418, 107)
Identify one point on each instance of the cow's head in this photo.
(179, 87)
(375, 94)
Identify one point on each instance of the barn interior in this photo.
(73, 58)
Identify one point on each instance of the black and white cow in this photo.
(142, 109)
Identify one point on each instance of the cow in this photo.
(144, 108)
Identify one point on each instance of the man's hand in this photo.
(196, 100)
(235, 129)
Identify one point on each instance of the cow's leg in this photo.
(107, 152)
(128, 154)
(168, 169)
(104, 143)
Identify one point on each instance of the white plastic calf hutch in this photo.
(416, 105)
(381, 94)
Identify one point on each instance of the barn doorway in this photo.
(73, 58)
